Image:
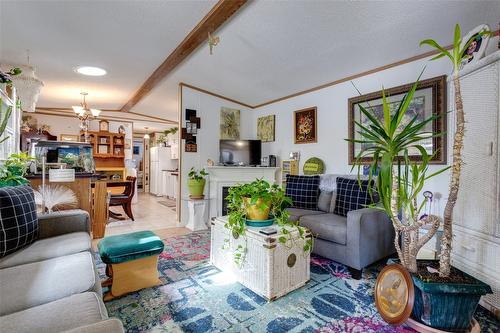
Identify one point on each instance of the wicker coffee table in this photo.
(269, 269)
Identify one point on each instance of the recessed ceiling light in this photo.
(90, 71)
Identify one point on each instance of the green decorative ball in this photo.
(314, 166)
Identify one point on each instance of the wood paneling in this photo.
(219, 14)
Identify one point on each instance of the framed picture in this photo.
(190, 113)
(429, 99)
(196, 120)
(265, 128)
(229, 124)
(104, 125)
(68, 138)
(477, 46)
(305, 126)
(121, 129)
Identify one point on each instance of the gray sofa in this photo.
(363, 237)
(52, 285)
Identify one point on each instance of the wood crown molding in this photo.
(182, 84)
(329, 84)
(67, 112)
(219, 14)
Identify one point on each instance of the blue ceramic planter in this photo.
(260, 223)
(446, 306)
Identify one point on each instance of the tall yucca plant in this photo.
(400, 179)
(456, 54)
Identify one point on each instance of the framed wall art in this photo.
(68, 137)
(229, 124)
(265, 128)
(305, 126)
(429, 99)
(477, 45)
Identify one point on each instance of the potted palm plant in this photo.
(196, 183)
(446, 303)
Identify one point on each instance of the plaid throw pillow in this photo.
(350, 196)
(303, 190)
(18, 220)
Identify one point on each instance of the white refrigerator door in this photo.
(153, 155)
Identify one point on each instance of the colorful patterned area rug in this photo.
(197, 297)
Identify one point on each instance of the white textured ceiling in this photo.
(129, 39)
(273, 48)
(269, 49)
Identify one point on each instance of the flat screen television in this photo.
(240, 152)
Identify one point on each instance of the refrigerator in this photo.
(160, 160)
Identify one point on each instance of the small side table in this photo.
(198, 214)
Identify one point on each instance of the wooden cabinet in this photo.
(109, 148)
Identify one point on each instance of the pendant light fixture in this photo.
(28, 86)
(85, 114)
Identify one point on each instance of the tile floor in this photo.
(148, 215)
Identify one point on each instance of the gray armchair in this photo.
(358, 240)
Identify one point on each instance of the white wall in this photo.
(332, 113)
(208, 109)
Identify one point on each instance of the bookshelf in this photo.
(108, 148)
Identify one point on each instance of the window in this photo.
(11, 144)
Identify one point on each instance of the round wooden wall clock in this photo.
(394, 294)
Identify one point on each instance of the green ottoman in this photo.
(132, 262)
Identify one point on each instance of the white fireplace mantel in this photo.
(222, 176)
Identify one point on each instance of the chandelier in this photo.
(85, 114)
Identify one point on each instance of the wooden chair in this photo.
(124, 199)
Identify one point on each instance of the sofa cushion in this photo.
(45, 281)
(325, 201)
(63, 314)
(329, 227)
(303, 190)
(297, 213)
(350, 196)
(111, 325)
(18, 221)
(48, 248)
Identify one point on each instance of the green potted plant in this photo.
(13, 170)
(196, 183)
(450, 301)
(261, 204)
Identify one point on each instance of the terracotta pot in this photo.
(254, 212)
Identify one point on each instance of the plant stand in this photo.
(419, 327)
(198, 214)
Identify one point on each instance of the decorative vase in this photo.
(254, 212)
(196, 187)
(447, 306)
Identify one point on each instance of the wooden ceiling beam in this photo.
(219, 14)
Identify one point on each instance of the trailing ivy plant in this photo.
(273, 197)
